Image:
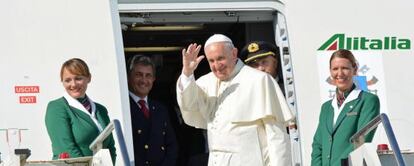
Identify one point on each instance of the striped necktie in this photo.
(340, 98)
(144, 108)
(85, 102)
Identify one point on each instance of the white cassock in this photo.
(245, 117)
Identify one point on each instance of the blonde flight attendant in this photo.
(340, 118)
(74, 120)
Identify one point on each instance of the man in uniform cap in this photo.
(265, 57)
(243, 109)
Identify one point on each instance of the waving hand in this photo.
(191, 59)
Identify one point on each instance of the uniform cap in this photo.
(258, 49)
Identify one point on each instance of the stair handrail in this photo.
(96, 145)
(359, 137)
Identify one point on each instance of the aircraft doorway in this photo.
(163, 42)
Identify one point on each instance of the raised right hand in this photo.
(191, 58)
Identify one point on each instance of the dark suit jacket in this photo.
(72, 130)
(331, 142)
(154, 138)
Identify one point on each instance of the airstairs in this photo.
(365, 154)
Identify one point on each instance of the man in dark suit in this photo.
(154, 138)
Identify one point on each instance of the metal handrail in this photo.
(359, 137)
(96, 145)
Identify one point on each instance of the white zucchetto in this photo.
(217, 38)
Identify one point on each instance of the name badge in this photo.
(351, 113)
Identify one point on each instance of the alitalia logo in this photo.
(340, 41)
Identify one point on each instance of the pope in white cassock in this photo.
(243, 109)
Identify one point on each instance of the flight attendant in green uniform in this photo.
(74, 120)
(345, 114)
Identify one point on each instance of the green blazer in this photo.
(72, 130)
(331, 142)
